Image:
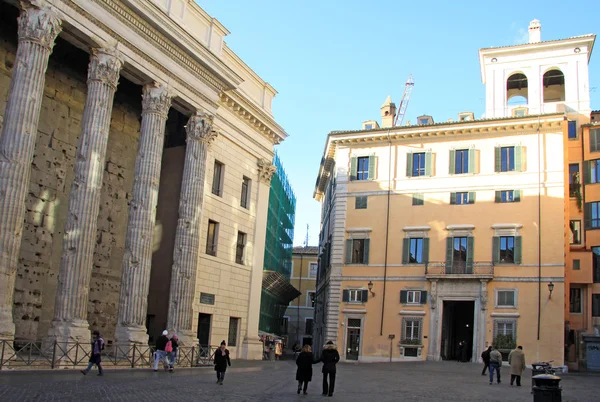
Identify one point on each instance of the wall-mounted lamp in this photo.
(370, 286)
(550, 289)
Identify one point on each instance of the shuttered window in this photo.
(415, 250)
(419, 164)
(357, 251)
(591, 214)
(462, 161)
(418, 199)
(459, 255)
(363, 167)
(361, 202)
(507, 249)
(355, 295)
(595, 140)
(509, 159)
(508, 196)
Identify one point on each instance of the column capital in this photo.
(38, 23)
(156, 99)
(265, 170)
(105, 66)
(200, 128)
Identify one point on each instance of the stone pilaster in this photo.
(251, 346)
(137, 260)
(38, 29)
(187, 238)
(70, 310)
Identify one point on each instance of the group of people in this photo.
(166, 350)
(305, 360)
(492, 360)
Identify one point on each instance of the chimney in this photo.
(535, 31)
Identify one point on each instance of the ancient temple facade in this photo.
(135, 162)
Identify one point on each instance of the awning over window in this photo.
(279, 287)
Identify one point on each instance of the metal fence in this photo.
(18, 354)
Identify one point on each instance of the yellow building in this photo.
(453, 232)
(299, 316)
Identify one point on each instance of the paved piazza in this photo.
(274, 381)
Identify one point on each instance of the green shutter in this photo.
(497, 159)
(498, 196)
(425, 250)
(516, 195)
(428, 164)
(372, 163)
(452, 198)
(471, 197)
(405, 250)
(594, 140)
(348, 251)
(471, 167)
(587, 172)
(365, 296)
(496, 249)
(423, 297)
(452, 166)
(366, 251)
(518, 248)
(587, 215)
(449, 253)
(409, 163)
(519, 158)
(470, 253)
(345, 296)
(403, 296)
(353, 166)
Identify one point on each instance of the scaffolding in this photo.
(277, 292)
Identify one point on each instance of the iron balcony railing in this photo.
(18, 354)
(460, 268)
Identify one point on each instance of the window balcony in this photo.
(459, 270)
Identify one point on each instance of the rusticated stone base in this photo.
(252, 349)
(131, 334)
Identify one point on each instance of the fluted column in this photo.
(187, 238)
(70, 309)
(38, 28)
(135, 279)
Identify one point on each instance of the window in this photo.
(361, 202)
(217, 185)
(573, 179)
(211, 238)
(520, 112)
(245, 196)
(572, 129)
(310, 299)
(460, 250)
(462, 198)
(423, 121)
(509, 159)
(418, 199)
(575, 300)
(576, 265)
(411, 330)
(285, 325)
(575, 232)
(506, 298)
(594, 139)
(505, 334)
(357, 251)
(415, 250)
(419, 164)
(355, 295)
(362, 172)
(596, 305)
(459, 255)
(507, 249)
(368, 126)
(312, 269)
(591, 215)
(461, 162)
(308, 330)
(508, 196)
(239, 249)
(362, 167)
(413, 297)
(591, 171)
(233, 331)
(596, 264)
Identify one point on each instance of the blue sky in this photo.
(334, 62)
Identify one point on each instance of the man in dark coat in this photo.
(221, 362)
(160, 354)
(485, 356)
(96, 354)
(304, 371)
(329, 357)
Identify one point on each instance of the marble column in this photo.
(70, 309)
(38, 29)
(187, 237)
(251, 346)
(137, 260)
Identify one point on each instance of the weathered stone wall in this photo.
(51, 176)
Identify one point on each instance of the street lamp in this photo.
(550, 288)
(370, 286)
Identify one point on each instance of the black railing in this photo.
(36, 355)
(477, 268)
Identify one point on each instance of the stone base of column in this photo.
(7, 326)
(252, 349)
(185, 338)
(127, 335)
(69, 342)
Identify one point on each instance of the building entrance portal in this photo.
(457, 326)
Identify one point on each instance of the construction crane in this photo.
(408, 87)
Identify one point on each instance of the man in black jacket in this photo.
(160, 353)
(329, 357)
(485, 356)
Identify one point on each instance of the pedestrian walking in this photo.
(304, 372)
(160, 354)
(96, 354)
(221, 362)
(465, 350)
(485, 356)
(495, 364)
(460, 349)
(173, 352)
(516, 359)
(329, 357)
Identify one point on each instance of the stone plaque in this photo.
(207, 298)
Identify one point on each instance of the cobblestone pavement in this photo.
(274, 381)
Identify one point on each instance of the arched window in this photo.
(554, 86)
(516, 90)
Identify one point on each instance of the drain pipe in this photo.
(298, 308)
(387, 232)
(539, 230)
